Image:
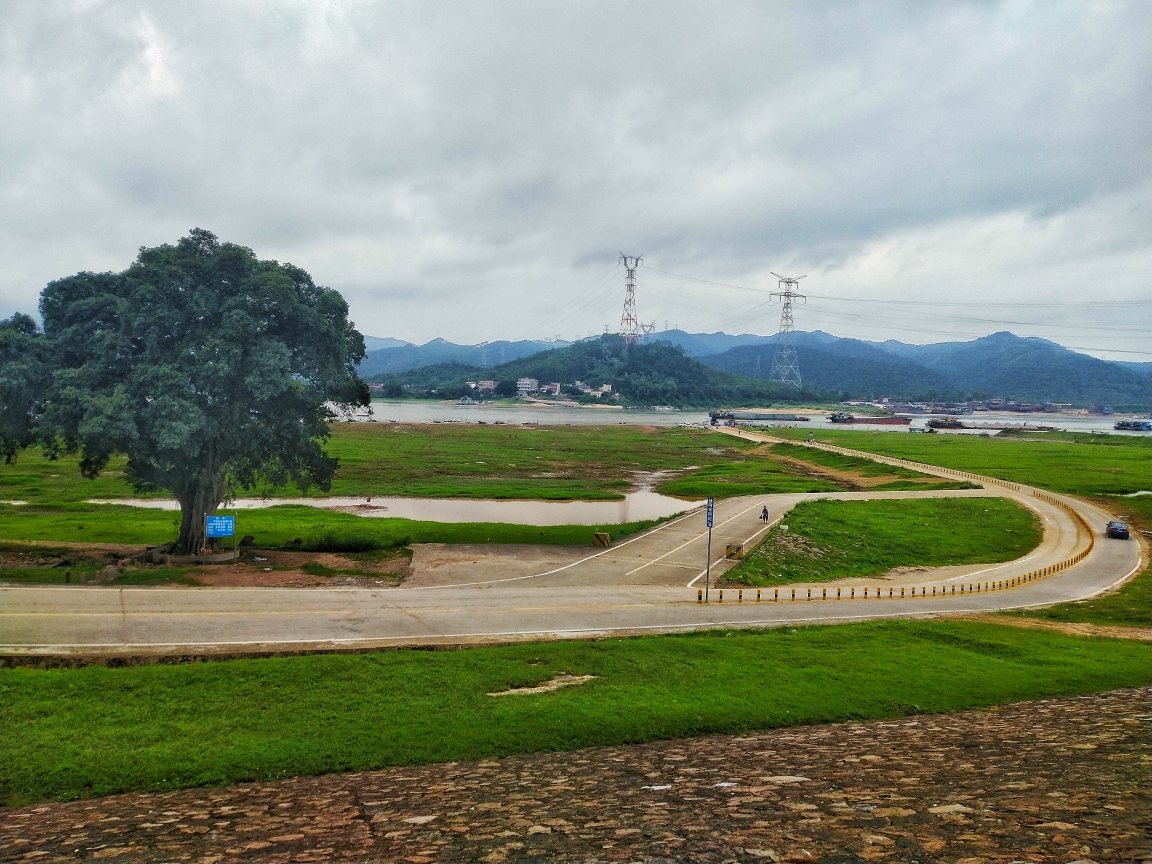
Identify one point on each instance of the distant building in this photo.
(524, 386)
(485, 385)
(602, 390)
(375, 387)
(553, 388)
(471, 385)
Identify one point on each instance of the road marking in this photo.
(557, 569)
(687, 542)
(746, 542)
(990, 569)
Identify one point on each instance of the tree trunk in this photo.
(198, 501)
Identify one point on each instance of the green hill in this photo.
(657, 373)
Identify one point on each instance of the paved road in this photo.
(647, 583)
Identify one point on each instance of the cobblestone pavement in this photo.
(1057, 780)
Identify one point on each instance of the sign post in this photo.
(708, 559)
(219, 526)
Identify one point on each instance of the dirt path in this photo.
(1142, 634)
(1057, 780)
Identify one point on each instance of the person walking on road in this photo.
(764, 514)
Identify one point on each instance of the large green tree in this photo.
(207, 367)
(23, 383)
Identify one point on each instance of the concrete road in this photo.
(647, 583)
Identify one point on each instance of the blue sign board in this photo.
(221, 526)
(711, 507)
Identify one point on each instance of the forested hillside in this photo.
(1001, 365)
(652, 374)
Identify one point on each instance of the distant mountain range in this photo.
(389, 356)
(1001, 365)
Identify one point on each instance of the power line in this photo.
(1076, 305)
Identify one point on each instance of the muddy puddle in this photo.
(635, 507)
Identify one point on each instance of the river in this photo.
(427, 411)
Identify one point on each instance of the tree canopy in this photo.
(23, 381)
(207, 367)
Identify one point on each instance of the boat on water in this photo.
(1133, 425)
(719, 417)
(884, 420)
(945, 423)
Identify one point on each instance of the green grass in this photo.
(903, 479)
(751, 475)
(839, 539)
(277, 526)
(95, 730)
(447, 460)
(438, 461)
(1075, 463)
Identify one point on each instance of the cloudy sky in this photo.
(473, 170)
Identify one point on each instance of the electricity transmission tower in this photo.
(785, 367)
(630, 327)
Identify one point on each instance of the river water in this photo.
(635, 507)
(423, 411)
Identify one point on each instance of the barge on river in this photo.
(883, 420)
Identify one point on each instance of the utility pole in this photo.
(785, 367)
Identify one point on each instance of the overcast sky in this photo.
(473, 170)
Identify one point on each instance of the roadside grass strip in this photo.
(824, 540)
(92, 731)
(277, 526)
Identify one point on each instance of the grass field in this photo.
(550, 463)
(95, 731)
(276, 526)
(1075, 463)
(440, 461)
(838, 539)
(453, 461)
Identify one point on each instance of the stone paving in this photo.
(1057, 780)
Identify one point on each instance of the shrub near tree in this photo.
(207, 367)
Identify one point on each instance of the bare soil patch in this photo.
(1142, 634)
(260, 568)
(31, 553)
(547, 687)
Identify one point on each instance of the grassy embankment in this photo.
(95, 730)
(1104, 469)
(827, 540)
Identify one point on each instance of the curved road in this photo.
(645, 583)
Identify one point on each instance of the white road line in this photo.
(687, 542)
(558, 569)
(990, 569)
(720, 560)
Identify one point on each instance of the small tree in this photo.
(205, 366)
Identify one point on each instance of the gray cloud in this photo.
(471, 170)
